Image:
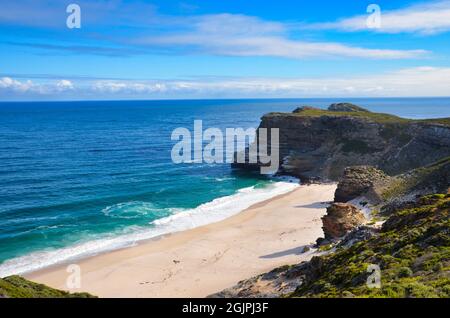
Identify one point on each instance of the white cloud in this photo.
(216, 34)
(411, 82)
(7, 83)
(426, 18)
(10, 86)
(421, 81)
(128, 87)
(64, 85)
(239, 35)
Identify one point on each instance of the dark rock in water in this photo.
(358, 181)
(346, 107)
(340, 219)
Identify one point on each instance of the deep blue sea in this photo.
(80, 178)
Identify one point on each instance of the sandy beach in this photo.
(208, 259)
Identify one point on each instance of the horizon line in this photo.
(215, 99)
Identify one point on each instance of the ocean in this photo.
(81, 178)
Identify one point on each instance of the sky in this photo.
(189, 49)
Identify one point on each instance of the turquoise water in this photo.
(79, 178)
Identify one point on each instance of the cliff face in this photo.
(320, 144)
(340, 219)
(394, 164)
(389, 193)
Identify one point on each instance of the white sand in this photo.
(208, 259)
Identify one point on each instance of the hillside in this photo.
(391, 192)
(18, 287)
(390, 166)
(412, 250)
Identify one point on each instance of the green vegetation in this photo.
(378, 117)
(398, 187)
(412, 251)
(398, 131)
(356, 146)
(425, 177)
(346, 107)
(18, 287)
(433, 167)
(395, 121)
(442, 121)
(325, 248)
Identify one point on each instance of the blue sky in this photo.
(162, 49)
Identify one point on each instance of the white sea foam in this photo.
(214, 211)
(130, 210)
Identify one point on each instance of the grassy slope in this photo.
(18, 287)
(434, 175)
(377, 117)
(413, 252)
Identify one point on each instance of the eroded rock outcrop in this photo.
(360, 181)
(340, 219)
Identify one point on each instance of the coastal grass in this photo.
(356, 146)
(19, 287)
(381, 118)
(412, 251)
(427, 176)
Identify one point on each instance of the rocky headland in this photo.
(318, 144)
(391, 207)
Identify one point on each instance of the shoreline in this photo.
(207, 259)
(210, 212)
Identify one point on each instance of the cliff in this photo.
(320, 144)
(389, 165)
(388, 193)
